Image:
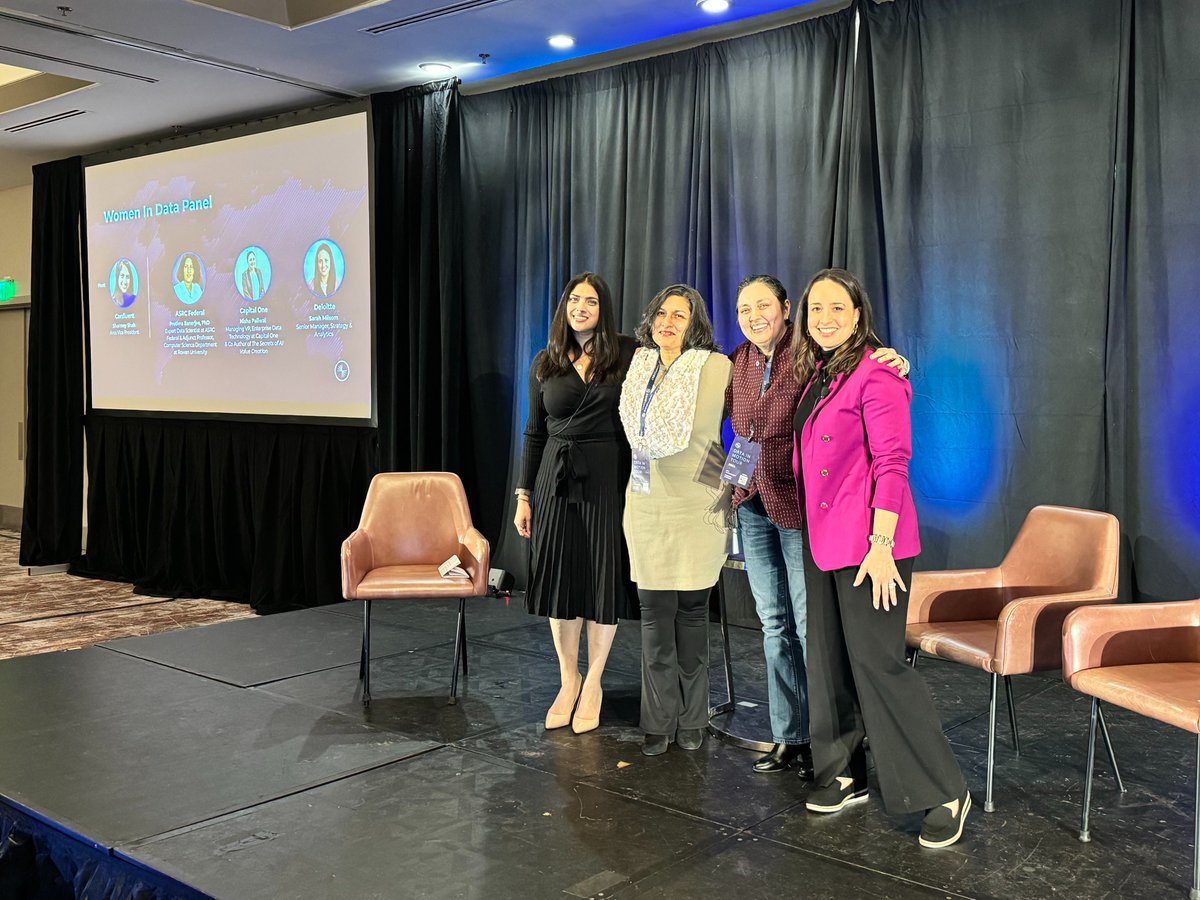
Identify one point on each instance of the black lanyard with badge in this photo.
(639, 475)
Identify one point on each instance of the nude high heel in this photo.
(560, 720)
(584, 720)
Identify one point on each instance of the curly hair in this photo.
(699, 334)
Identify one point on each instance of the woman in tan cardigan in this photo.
(672, 406)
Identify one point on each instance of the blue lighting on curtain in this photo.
(530, 341)
(1178, 472)
(955, 469)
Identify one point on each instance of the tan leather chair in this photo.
(1144, 657)
(411, 524)
(1008, 620)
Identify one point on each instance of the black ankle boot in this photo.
(780, 757)
(654, 744)
(804, 763)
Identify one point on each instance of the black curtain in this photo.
(418, 276)
(241, 511)
(52, 516)
(1153, 398)
(702, 166)
(981, 216)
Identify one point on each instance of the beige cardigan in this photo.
(676, 533)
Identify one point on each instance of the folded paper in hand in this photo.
(452, 568)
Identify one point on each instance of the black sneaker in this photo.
(941, 827)
(843, 792)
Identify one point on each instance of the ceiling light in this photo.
(713, 6)
(561, 42)
(436, 68)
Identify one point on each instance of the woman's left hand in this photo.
(885, 577)
(893, 359)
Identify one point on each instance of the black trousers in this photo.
(674, 660)
(859, 684)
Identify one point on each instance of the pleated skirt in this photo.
(579, 564)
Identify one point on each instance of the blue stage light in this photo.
(956, 458)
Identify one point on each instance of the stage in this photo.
(236, 761)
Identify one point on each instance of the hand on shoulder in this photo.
(889, 358)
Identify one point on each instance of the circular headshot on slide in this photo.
(189, 277)
(123, 283)
(324, 268)
(252, 273)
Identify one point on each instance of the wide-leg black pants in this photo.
(674, 660)
(859, 683)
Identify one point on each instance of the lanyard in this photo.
(762, 389)
(766, 379)
(651, 390)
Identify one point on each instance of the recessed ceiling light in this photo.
(713, 6)
(436, 68)
(561, 42)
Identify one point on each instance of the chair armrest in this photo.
(946, 596)
(1029, 630)
(1127, 634)
(475, 555)
(357, 560)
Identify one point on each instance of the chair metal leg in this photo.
(988, 805)
(725, 644)
(916, 654)
(462, 632)
(1012, 713)
(362, 654)
(458, 651)
(717, 726)
(1194, 893)
(1085, 834)
(1112, 757)
(364, 663)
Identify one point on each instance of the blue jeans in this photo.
(775, 567)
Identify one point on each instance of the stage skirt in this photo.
(579, 565)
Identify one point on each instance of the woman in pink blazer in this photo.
(853, 443)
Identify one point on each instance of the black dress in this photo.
(576, 462)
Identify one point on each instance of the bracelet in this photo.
(882, 539)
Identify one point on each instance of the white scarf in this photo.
(672, 410)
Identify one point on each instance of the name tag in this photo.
(741, 462)
(639, 475)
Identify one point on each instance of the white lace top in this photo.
(672, 410)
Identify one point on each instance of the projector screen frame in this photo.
(213, 135)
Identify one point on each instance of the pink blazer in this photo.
(855, 447)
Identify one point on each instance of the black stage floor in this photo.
(237, 759)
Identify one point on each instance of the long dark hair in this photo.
(324, 247)
(699, 334)
(195, 268)
(806, 351)
(603, 347)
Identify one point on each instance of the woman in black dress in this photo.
(570, 498)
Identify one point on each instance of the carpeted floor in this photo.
(43, 613)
